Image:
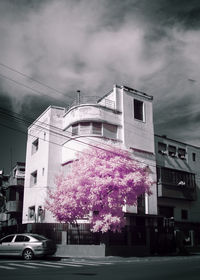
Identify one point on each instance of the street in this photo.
(172, 268)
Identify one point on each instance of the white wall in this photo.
(46, 160)
(137, 134)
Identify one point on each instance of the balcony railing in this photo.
(14, 206)
(92, 100)
(16, 181)
(3, 217)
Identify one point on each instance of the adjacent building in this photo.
(11, 198)
(178, 186)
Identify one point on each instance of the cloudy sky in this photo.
(66, 45)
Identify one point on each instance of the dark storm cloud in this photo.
(90, 45)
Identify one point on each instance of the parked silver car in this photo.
(27, 245)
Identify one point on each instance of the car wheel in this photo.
(28, 254)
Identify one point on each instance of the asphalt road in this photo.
(163, 268)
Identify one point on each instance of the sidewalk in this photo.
(116, 259)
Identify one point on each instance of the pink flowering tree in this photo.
(100, 183)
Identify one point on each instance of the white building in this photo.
(124, 115)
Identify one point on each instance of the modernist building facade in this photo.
(123, 116)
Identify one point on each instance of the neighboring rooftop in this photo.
(165, 137)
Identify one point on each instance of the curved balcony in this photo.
(87, 112)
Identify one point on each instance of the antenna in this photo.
(78, 96)
(11, 163)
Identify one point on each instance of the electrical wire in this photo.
(55, 132)
(20, 131)
(34, 80)
(25, 75)
(30, 88)
(71, 138)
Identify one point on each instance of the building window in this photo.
(176, 178)
(22, 169)
(12, 194)
(184, 214)
(85, 128)
(141, 204)
(74, 129)
(138, 110)
(172, 151)
(34, 178)
(109, 131)
(35, 145)
(97, 128)
(193, 156)
(166, 211)
(31, 213)
(181, 153)
(162, 148)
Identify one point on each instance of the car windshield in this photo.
(38, 237)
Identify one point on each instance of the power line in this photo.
(70, 138)
(56, 132)
(34, 80)
(30, 88)
(18, 130)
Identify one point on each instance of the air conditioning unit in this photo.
(182, 156)
(181, 183)
(164, 152)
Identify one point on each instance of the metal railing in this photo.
(91, 100)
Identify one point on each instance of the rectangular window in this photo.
(193, 156)
(138, 110)
(109, 131)
(35, 145)
(31, 213)
(181, 153)
(184, 214)
(74, 129)
(172, 151)
(166, 211)
(22, 169)
(141, 204)
(162, 148)
(176, 178)
(96, 128)
(85, 128)
(34, 178)
(12, 194)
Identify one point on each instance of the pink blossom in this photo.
(100, 183)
